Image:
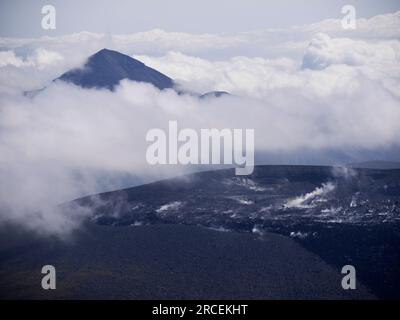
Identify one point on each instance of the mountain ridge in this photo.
(106, 68)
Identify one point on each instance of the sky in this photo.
(19, 18)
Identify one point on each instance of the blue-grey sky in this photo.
(20, 18)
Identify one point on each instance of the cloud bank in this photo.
(320, 88)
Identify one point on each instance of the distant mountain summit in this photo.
(376, 164)
(106, 68)
(214, 94)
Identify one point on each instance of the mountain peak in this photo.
(107, 53)
(106, 68)
(105, 50)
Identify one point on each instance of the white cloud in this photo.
(311, 199)
(350, 62)
(9, 58)
(324, 51)
(40, 59)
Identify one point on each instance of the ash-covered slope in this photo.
(167, 262)
(153, 241)
(345, 215)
